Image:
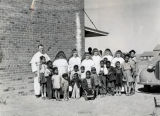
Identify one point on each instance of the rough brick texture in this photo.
(52, 23)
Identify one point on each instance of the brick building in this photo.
(58, 24)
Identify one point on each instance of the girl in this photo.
(127, 72)
(56, 80)
(96, 59)
(118, 57)
(48, 74)
(42, 80)
(74, 60)
(108, 54)
(65, 86)
(119, 76)
(133, 62)
(61, 63)
(87, 62)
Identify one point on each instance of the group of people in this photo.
(94, 74)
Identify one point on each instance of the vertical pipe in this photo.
(78, 34)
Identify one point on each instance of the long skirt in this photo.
(37, 89)
(49, 87)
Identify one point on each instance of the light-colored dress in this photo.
(96, 60)
(120, 59)
(127, 71)
(74, 61)
(35, 62)
(56, 80)
(109, 57)
(88, 64)
(62, 66)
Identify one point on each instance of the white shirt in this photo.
(74, 61)
(35, 61)
(109, 57)
(120, 59)
(88, 64)
(96, 60)
(62, 65)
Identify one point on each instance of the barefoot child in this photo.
(127, 72)
(42, 69)
(119, 76)
(65, 86)
(76, 83)
(56, 80)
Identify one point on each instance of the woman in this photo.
(87, 62)
(108, 54)
(96, 59)
(118, 57)
(61, 63)
(74, 60)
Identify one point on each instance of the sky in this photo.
(132, 24)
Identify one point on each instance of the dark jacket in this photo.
(76, 81)
(111, 76)
(85, 84)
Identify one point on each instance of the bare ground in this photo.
(140, 104)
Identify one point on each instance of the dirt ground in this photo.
(140, 104)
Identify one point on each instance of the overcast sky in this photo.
(132, 24)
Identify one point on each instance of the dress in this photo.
(120, 59)
(74, 61)
(62, 66)
(96, 60)
(119, 76)
(126, 67)
(56, 81)
(42, 77)
(88, 64)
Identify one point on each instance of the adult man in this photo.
(35, 61)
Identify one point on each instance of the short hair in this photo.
(127, 55)
(42, 57)
(55, 68)
(117, 62)
(82, 67)
(102, 61)
(76, 74)
(108, 62)
(40, 45)
(65, 75)
(93, 68)
(88, 72)
(132, 51)
(75, 66)
(48, 62)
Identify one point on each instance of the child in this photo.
(88, 84)
(133, 62)
(103, 67)
(103, 83)
(83, 75)
(56, 80)
(48, 74)
(75, 70)
(118, 57)
(127, 71)
(110, 78)
(96, 80)
(42, 80)
(119, 76)
(76, 82)
(65, 86)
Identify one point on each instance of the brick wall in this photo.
(52, 23)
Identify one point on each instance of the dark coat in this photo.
(111, 76)
(85, 84)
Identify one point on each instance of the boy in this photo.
(76, 83)
(96, 80)
(88, 84)
(75, 70)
